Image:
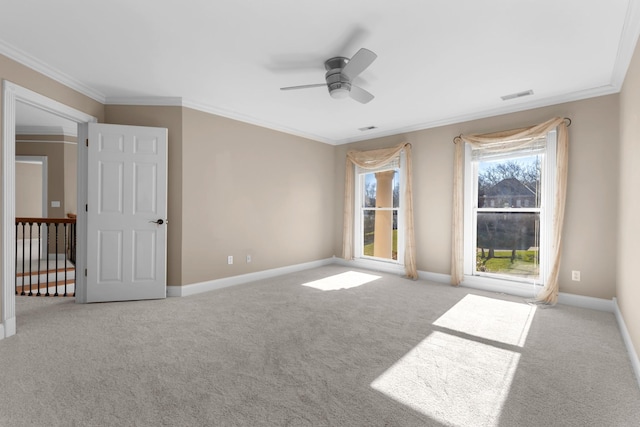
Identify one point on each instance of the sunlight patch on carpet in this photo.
(497, 320)
(350, 279)
(462, 380)
(453, 380)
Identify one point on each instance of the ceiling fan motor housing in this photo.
(338, 84)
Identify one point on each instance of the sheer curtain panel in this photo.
(371, 160)
(502, 143)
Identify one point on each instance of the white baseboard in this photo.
(8, 328)
(480, 283)
(520, 290)
(196, 288)
(633, 355)
(582, 301)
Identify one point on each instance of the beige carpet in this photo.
(300, 351)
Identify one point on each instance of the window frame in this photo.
(546, 209)
(359, 208)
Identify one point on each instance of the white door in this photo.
(126, 213)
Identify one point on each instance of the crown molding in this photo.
(35, 64)
(254, 121)
(627, 44)
(167, 101)
(483, 114)
(159, 101)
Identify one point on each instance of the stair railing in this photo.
(40, 245)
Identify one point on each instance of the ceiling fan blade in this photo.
(303, 86)
(360, 61)
(360, 95)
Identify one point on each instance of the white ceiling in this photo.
(438, 62)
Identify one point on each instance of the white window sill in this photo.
(372, 264)
(490, 284)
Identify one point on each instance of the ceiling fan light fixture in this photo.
(339, 90)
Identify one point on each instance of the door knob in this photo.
(159, 222)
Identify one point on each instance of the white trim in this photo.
(35, 64)
(11, 94)
(487, 112)
(582, 301)
(369, 264)
(29, 141)
(627, 44)
(8, 328)
(198, 288)
(520, 290)
(509, 287)
(8, 232)
(81, 218)
(168, 101)
(633, 355)
(235, 115)
(158, 101)
(47, 130)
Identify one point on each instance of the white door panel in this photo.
(126, 213)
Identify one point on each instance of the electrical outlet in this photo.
(230, 259)
(575, 275)
(248, 259)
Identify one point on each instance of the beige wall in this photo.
(628, 290)
(28, 190)
(61, 152)
(252, 191)
(591, 214)
(170, 118)
(238, 189)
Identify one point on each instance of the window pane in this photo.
(508, 244)
(369, 222)
(369, 200)
(512, 183)
(390, 180)
(380, 233)
(396, 189)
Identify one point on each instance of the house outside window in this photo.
(508, 209)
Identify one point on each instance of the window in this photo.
(508, 210)
(378, 230)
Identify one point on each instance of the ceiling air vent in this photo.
(517, 95)
(366, 128)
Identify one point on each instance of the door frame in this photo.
(11, 94)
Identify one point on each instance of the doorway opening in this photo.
(14, 97)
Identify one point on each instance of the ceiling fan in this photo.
(340, 74)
